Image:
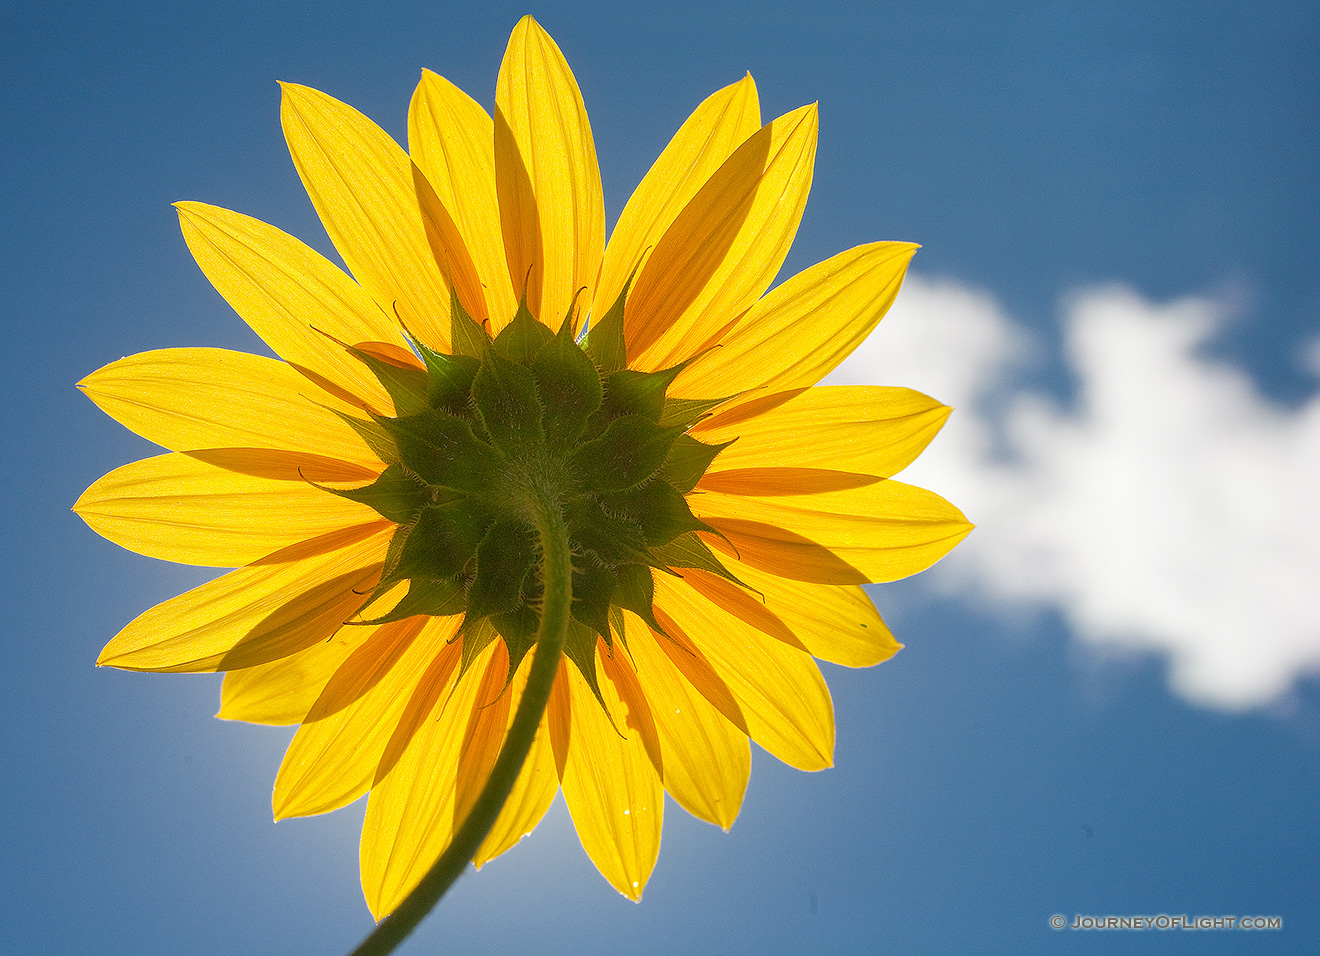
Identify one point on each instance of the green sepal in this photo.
(504, 560)
(444, 540)
(686, 412)
(605, 343)
(660, 511)
(389, 572)
(631, 450)
(569, 387)
(434, 598)
(406, 385)
(518, 629)
(613, 538)
(593, 589)
(427, 354)
(476, 635)
(395, 495)
(506, 400)
(580, 648)
(687, 461)
(689, 551)
(393, 554)
(630, 392)
(442, 449)
(388, 576)
(523, 338)
(450, 378)
(379, 440)
(636, 592)
(466, 336)
(566, 326)
(617, 627)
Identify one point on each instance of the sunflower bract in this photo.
(525, 416)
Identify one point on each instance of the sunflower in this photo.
(493, 369)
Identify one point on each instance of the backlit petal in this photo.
(410, 815)
(866, 428)
(485, 731)
(836, 623)
(283, 691)
(450, 251)
(299, 302)
(780, 692)
(332, 759)
(707, 760)
(534, 790)
(255, 614)
(178, 508)
(613, 792)
(361, 183)
(451, 139)
(737, 601)
(723, 250)
(804, 327)
(633, 714)
(188, 399)
(551, 206)
(559, 718)
(708, 137)
(880, 532)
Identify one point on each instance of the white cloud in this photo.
(1169, 508)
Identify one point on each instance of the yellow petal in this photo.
(410, 815)
(361, 183)
(880, 532)
(559, 718)
(485, 732)
(776, 482)
(613, 792)
(723, 250)
(633, 716)
(709, 136)
(748, 608)
(707, 760)
(698, 671)
(299, 302)
(868, 429)
(535, 788)
(836, 623)
(779, 690)
(277, 464)
(283, 691)
(255, 614)
(551, 206)
(451, 253)
(451, 139)
(805, 327)
(333, 757)
(188, 399)
(178, 508)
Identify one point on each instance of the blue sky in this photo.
(1107, 703)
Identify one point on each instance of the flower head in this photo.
(377, 486)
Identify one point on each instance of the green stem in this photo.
(557, 575)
